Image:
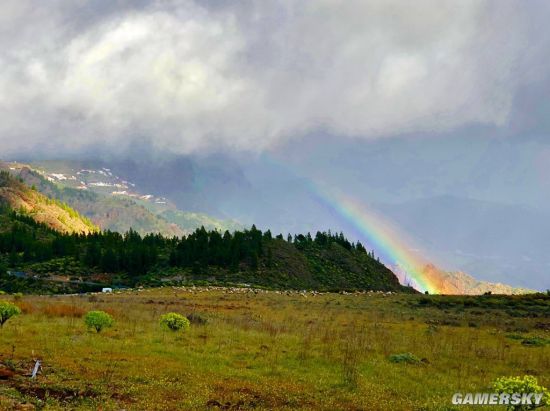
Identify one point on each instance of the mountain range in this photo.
(111, 202)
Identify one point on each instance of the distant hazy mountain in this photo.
(477, 204)
(458, 282)
(473, 235)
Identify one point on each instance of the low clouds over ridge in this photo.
(191, 75)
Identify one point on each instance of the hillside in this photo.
(50, 258)
(111, 202)
(54, 214)
(298, 264)
(294, 265)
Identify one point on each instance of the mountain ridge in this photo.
(119, 210)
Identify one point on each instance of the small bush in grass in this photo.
(98, 320)
(7, 311)
(406, 358)
(534, 342)
(514, 336)
(174, 322)
(522, 385)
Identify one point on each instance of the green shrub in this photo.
(529, 341)
(98, 320)
(518, 385)
(534, 342)
(515, 336)
(407, 358)
(174, 322)
(7, 310)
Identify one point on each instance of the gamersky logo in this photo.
(497, 399)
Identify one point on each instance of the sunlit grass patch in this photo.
(263, 351)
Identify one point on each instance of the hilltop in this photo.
(52, 213)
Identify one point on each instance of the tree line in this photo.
(27, 241)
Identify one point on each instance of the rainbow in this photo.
(392, 246)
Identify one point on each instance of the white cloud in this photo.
(246, 76)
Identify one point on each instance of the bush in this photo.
(174, 322)
(98, 320)
(518, 385)
(514, 336)
(7, 310)
(534, 342)
(407, 358)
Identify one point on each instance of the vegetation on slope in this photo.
(115, 212)
(328, 262)
(53, 213)
(108, 212)
(189, 221)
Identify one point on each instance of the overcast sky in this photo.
(195, 76)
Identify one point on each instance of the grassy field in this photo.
(269, 350)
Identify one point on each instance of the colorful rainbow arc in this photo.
(389, 244)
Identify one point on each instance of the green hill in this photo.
(51, 257)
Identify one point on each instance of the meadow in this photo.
(254, 349)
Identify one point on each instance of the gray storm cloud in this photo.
(192, 75)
